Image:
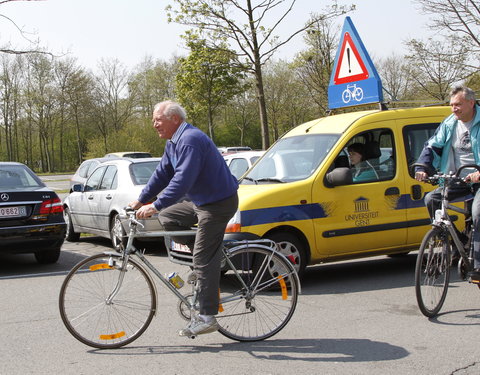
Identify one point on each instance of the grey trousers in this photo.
(212, 220)
(433, 202)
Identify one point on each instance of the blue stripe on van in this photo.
(281, 214)
(306, 212)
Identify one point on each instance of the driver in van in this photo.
(362, 170)
(456, 142)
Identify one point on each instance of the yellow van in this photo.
(301, 193)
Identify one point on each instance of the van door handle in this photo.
(90, 196)
(108, 197)
(392, 191)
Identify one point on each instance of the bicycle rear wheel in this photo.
(432, 271)
(258, 300)
(89, 315)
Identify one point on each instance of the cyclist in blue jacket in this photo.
(455, 143)
(194, 186)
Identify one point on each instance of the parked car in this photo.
(240, 162)
(85, 170)
(129, 154)
(31, 214)
(94, 207)
(228, 150)
(301, 193)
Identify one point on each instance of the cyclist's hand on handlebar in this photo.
(135, 205)
(420, 176)
(473, 177)
(146, 211)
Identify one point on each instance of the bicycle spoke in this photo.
(432, 272)
(266, 304)
(96, 317)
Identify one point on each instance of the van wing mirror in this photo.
(338, 177)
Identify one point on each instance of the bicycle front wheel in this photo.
(104, 307)
(432, 271)
(258, 298)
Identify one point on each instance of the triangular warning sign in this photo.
(350, 65)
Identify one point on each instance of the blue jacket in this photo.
(433, 155)
(192, 168)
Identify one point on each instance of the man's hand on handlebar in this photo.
(143, 211)
(420, 176)
(473, 177)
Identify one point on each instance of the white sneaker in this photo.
(199, 327)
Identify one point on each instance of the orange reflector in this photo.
(220, 306)
(100, 266)
(113, 336)
(283, 285)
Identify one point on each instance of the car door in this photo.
(415, 133)
(91, 198)
(363, 216)
(104, 197)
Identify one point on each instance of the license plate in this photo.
(13, 211)
(180, 247)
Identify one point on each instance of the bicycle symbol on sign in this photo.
(352, 92)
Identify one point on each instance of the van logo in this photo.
(362, 215)
(4, 197)
(361, 204)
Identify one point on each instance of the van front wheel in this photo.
(292, 248)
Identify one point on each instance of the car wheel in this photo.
(48, 256)
(292, 248)
(117, 233)
(71, 235)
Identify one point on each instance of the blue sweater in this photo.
(191, 167)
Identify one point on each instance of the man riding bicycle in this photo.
(194, 186)
(456, 142)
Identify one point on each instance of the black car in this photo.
(31, 214)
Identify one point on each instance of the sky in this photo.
(130, 30)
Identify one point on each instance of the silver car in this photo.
(94, 207)
(240, 162)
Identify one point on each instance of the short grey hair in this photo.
(171, 108)
(467, 92)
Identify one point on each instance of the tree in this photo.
(9, 49)
(10, 83)
(397, 77)
(245, 26)
(207, 79)
(436, 66)
(460, 20)
(314, 65)
(113, 103)
(153, 83)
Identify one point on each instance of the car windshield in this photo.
(291, 159)
(18, 177)
(141, 172)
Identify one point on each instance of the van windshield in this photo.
(291, 159)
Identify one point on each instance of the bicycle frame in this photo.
(443, 219)
(131, 250)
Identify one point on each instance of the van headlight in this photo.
(234, 225)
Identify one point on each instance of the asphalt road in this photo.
(357, 317)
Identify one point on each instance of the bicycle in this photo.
(108, 300)
(432, 270)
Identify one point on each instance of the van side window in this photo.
(414, 138)
(370, 156)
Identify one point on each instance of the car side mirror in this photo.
(339, 177)
(77, 188)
